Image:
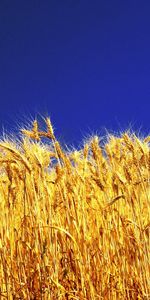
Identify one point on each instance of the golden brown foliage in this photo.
(74, 225)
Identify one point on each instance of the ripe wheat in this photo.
(74, 225)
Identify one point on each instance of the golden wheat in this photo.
(74, 225)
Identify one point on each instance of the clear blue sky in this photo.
(84, 63)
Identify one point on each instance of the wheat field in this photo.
(74, 224)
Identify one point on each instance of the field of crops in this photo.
(74, 225)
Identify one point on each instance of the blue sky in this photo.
(84, 63)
